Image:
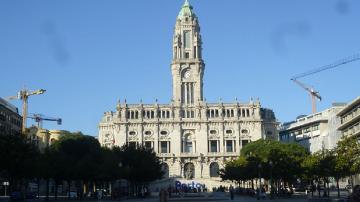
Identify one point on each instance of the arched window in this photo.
(165, 170)
(187, 143)
(152, 114)
(214, 169)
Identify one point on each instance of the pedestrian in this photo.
(231, 192)
(99, 195)
(163, 197)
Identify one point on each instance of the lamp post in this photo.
(271, 181)
(259, 192)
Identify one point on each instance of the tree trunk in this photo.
(312, 188)
(38, 188)
(69, 185)
(337, 186)
(56, 189)
(47, 189)
(324, 189)
(328, 188)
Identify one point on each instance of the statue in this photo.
(189, 171)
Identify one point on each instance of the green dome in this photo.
(186, 10)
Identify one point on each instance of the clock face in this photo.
(187, 74)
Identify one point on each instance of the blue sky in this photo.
(87, 54)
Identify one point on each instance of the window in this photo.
(244, 131)
(164, 147)
(213, 145)
(132, 133)
(213, 132)
(316, 127)
(244, 142)
(229, 146)
(132, 144)
(163, 132)
(187, 144)
(229, 131)
(148, 145)
(214, 169)
(187, 55)
(148, 132)
(188, 147)
(187, 39)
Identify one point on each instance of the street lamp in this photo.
(271, 181)
(259, 192)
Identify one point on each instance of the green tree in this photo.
(139, 166)
(18, 160)
(348, 156)
(76, 157)
(272, 159)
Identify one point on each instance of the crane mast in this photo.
(24, 95)
(312, 92)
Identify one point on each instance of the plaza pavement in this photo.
(219, 197)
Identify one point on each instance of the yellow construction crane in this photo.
(24, 95)
(313, 93)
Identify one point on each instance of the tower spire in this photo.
(187, 64)
(186, 10)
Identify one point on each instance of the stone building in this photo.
(350, 119)
(10, 120)
(43, 138)
(315, 131)
(350, 123)
(193, 138)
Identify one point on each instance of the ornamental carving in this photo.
(214, 136)
(130, 138)
(163, 138)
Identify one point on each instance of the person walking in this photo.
(231, 192)
(99, 195)
(163, 196)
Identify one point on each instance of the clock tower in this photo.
(187, 66)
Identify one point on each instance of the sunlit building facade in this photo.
(10, 120)
(193, 138)
(314, 132)
(350, 124)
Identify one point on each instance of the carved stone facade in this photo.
(193, 138)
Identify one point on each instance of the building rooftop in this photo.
(186, 10)
(349, 106)
(302, 120)
(8, 105)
